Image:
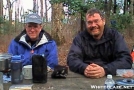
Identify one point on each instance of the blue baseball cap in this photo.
(33, 18)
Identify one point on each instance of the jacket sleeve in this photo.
(75, 57)
(122, 58)
(52, 57)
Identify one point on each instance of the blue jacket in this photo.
(44, 46)
(110, 52)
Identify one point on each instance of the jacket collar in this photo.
(41, 41)
(17, 39)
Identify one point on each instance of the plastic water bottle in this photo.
(16, 72)
(109, 83)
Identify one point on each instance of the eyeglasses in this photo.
(96, 21)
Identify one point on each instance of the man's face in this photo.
(33, 30)
(95, 25)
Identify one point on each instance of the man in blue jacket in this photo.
(34, 40)
(98, 50)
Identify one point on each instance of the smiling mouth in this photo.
(94, 30)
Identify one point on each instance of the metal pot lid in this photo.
(125, 82)
(1, 58)
(5, 55)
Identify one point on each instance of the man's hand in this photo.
(94, 71)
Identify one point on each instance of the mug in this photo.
(27, 72)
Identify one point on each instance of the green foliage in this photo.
(7, 27)
(57, 1)
(122, 21)
(1, 24)
(98, 4)
(1, 20)
(80, 6)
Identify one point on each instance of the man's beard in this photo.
(95, 35)
(92, 32)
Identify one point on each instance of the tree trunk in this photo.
(108, 5)
(1, 11)
(115, 6)
(105, 5)
(124, 8)
(41, 11)
(1, 8)
(34, 6)
(132, 7)
(83, 24)
(46, 18)
(57, 23)
(9, 11)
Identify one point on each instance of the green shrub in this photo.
(122, 21)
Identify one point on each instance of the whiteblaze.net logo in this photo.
(113, 87)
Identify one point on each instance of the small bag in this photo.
(60, 72)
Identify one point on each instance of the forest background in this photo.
(65, 24)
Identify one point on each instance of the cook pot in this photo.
(124, 84)
(5, 59)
